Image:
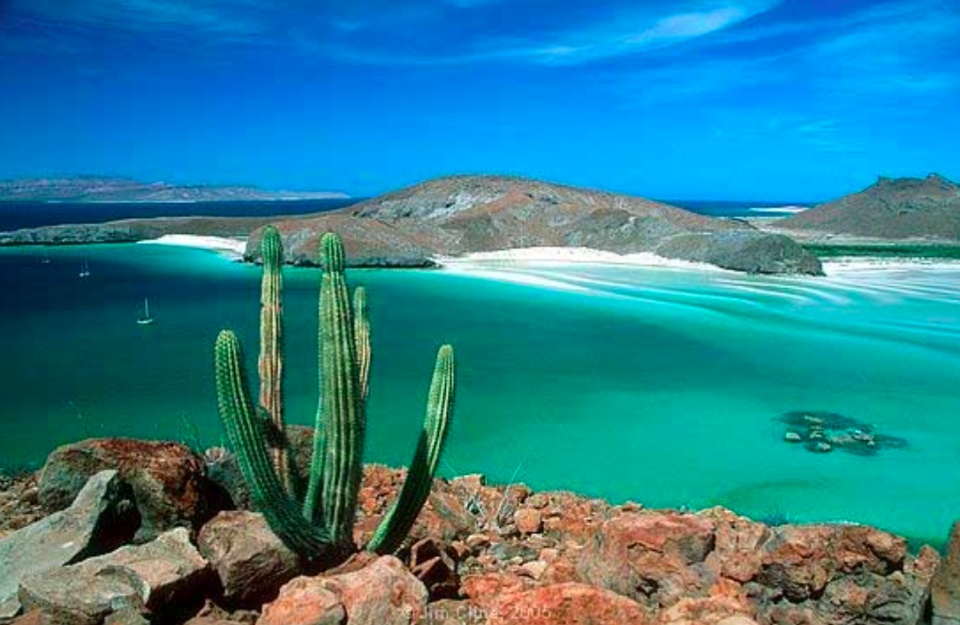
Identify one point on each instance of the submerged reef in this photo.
(821, 432)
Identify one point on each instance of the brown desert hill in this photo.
(893, 208)
(457, 215)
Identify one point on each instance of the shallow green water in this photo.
(655, 385)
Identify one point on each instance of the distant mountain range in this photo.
(101, 189)
(892, 209)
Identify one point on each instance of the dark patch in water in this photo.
(820, 431)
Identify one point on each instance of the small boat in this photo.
(145, 319)
(45, 260)
(85, 270)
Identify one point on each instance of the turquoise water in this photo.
(654, 385)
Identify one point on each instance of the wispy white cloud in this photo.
(630, 32)
(360, 31)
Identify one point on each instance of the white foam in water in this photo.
(572, 255)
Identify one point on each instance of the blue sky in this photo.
(714, 99)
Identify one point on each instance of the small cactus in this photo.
(321, 526)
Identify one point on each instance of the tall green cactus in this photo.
(323, 526)
(270, 364)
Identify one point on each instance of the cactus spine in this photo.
(270, 364)
(323, 526)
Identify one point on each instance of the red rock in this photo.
(33, 617)
(802, 559)
(167, 479)
(381, 593)
(528, 521)
(567, 604)
(725, 602)
(251, 562)
(304, 601)
(486, 589)
(737, 551)
(650, 556)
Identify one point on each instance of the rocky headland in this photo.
(125, 531)
(460, 215)
(893, 210)
(102, 189)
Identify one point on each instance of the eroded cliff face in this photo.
(463, 214)
(893, 208)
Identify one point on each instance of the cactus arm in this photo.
(245, 431)
(416, 488)
(361, 331)
(341, 402)
(270, 364)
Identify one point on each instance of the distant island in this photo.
(105, 189)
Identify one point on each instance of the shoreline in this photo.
(488, 262)
(570, 256)
(228, 247)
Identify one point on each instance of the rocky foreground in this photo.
(150, 532)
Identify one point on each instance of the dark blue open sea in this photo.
(14, 215)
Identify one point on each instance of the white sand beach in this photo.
(566, 256)
(231, 248)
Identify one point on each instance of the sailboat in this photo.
(145, 319)
(85, 270)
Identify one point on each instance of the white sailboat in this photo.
(145, 319)
(85, 270)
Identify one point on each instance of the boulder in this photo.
(164, 577)
(945, 589)
(528, 521)
(251, 562)
(650, 556)
(304, 601)
(168, 480)
(381, 593)
(800, 560)
(567, 604)
(99, 519)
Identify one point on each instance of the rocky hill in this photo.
(458, 215)
(100, 189)
(893, 208)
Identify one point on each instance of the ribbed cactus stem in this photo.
(361, 332)
(270, 364)
(341, 409)
(245, 431)
(416, 488)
